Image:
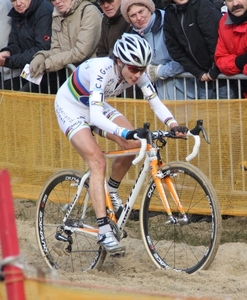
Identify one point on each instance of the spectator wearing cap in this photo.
(148, 22)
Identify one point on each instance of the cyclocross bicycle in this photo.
(179, 215)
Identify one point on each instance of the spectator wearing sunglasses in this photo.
(148, 22)
(112, 27)
(81, 106)
(76, 26)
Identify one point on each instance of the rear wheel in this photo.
(182, 245)
(67, 249)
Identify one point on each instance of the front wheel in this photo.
(69, 250)
(181, 245)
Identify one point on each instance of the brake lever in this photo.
(199, 128)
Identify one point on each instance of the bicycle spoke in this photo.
(70, 250)
(172, 242)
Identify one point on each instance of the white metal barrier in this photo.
(237, 79)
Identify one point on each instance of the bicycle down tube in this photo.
(149, 163)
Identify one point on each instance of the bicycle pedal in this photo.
(124, 234)
(118, 254)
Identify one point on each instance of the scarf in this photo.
(238, 20)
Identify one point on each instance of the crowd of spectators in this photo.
(201, 37)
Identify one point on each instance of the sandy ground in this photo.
(226, 278)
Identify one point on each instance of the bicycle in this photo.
(180, 219)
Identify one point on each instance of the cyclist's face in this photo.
(139, 15)
(131, 73)
(21, 5)
(61, 5)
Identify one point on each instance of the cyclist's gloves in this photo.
(182, 129)
(141, 133)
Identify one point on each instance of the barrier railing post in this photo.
(13, 275)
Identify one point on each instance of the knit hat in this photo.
(125, 4)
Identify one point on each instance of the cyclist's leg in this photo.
(89, 150)
(120, 165)
(72, 119)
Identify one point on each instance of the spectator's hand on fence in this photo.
(3, 56)
(152, 72)
(205, 77)
(37, 65)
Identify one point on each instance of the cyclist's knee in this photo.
(97, 165)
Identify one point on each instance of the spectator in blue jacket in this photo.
(30, 32)
(148, 22)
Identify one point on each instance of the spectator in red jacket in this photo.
(231, 48)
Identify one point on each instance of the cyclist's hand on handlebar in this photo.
(141, 133)
(179, 131)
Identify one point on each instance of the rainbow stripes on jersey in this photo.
(76, 88)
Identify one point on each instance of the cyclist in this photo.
(81, 106)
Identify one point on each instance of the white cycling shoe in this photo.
(109, 242)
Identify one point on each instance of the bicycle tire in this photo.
(56, 194)
(183, 247)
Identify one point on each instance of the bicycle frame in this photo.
(151, 163)
(181, 237)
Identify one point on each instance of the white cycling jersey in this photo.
(81, 100)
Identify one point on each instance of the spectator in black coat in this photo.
(30, 32)
(191, 30)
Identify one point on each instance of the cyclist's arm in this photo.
(97, 118)
(161, 111)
